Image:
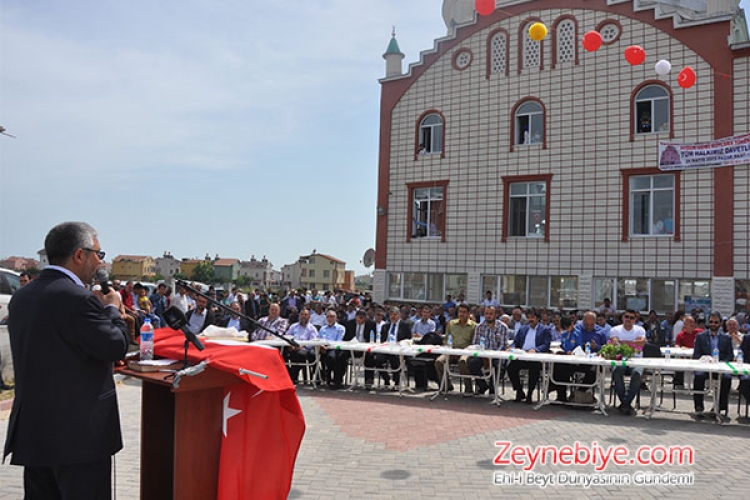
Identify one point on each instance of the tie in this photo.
(393, 328)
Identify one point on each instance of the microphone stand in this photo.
(184, 284)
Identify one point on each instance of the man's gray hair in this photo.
(64, 239)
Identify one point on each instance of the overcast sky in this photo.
(223, 126)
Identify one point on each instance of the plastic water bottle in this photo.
(324, 335)
(716, 354)
(482, 344)
(588, 350)
(740, 357)
(668, 353)
(450, 341)
(372, 337)
(392, 338)
(147, 341)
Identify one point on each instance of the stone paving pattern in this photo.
(380, 446)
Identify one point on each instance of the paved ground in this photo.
(362, 445)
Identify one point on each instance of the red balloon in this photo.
(484, 7)
(687, 77)
(592, 40)
(635, 55)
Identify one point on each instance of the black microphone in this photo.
(176, 320)
(103, 278)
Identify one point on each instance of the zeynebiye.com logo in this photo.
(527, 458)
(600, 457)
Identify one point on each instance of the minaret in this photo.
(393, 57)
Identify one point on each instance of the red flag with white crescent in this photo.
(262, 421)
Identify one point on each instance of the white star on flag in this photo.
(228, 413)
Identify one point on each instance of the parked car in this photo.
(10, 281)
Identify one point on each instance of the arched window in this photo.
(497, 53)
(531, 50)
(652, 110)
(431, 134)
(566, 48)
(529, 123)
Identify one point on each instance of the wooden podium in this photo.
(181, 433)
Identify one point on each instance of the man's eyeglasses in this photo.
(99, 253)
(628, 316)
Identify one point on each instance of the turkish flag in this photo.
(262, 423)
(262, 434)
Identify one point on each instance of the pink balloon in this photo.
(635, 55)
(687, 77)
(484, 7)
(592, 40)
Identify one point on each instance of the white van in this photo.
(10, 281)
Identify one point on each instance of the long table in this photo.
(403, 351)
(406, 350)
(715, 370)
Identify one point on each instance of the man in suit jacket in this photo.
(402, 331)
(517, 320)
(704, 346)
(252, 308)
(234, 320)
(532, 337)
(360, 329)
(64, 426)
(291, 302)
(201, 317)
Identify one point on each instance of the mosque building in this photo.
(560, 153)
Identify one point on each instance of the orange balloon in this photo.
(537, 32)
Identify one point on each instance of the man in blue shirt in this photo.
(587, 331)
(159, 301)
(333, 360)
(448, 303)
(303, 330)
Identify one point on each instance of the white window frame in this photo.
(657, 124)
(431, 134)
(652, 226)
(529, 115)
(417, 209)
(528, 196)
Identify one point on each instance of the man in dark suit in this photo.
(201, 317)
(401, 331)
(531, 337)
(64, 426)
(360, 329)
(291, 303)
(705, 343)
(234, 320)
(252, 308)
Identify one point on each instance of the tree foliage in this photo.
(203, 272)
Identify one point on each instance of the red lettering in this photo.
(565, 456)
(518, 455)
(504, 446)
(579, 450)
